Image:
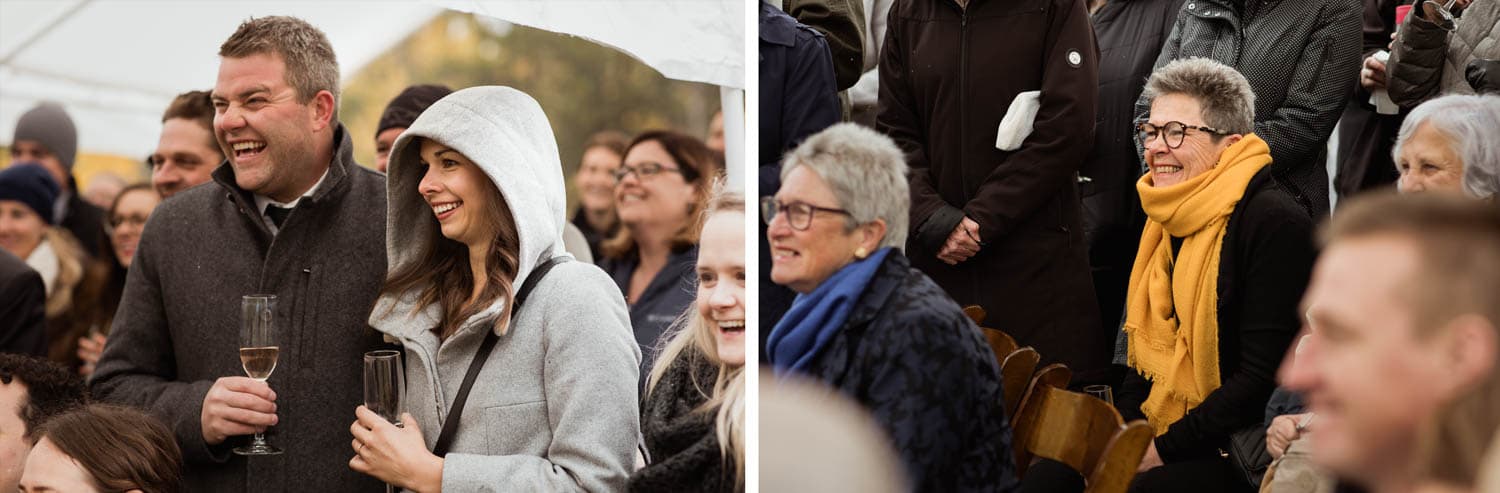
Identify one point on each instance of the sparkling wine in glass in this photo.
(258, 352)
(385, 386)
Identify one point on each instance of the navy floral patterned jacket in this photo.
(913, 360)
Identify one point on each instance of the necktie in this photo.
(277, 214)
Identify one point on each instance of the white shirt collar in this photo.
(262, 201)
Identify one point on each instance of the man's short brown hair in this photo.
(1458, 249)
(310, 63)
(197, 106)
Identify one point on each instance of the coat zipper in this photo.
(963, 119)
(963, 104)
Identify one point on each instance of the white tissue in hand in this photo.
(1018, 120)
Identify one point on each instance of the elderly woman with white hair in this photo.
(867, 323)
(1223, 261)
(1450, 144)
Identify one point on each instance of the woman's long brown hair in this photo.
(442, 273)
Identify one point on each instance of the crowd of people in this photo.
(455, 248)
(1135, 190)
(1138, 192)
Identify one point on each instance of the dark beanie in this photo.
(407, 106)
(32, 185)
(48, 124)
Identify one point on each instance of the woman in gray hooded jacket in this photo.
(476, 204)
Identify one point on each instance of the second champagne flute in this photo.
(385, 386)
(258, 352)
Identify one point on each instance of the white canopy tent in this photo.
(692, 40)
(115, 64)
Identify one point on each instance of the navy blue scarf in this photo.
(815, 318)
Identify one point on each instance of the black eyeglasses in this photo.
(798, 215)
(644, 171)
(1173, 132)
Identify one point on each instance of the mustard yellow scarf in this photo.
(1171, 316)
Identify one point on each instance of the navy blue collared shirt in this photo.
(665, 298)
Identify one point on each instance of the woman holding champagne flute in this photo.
(476, 207)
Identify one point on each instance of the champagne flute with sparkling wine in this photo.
(258, 351)
(385, 385)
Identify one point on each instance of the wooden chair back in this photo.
(975, 313)
(1056, 375)
(1001, 344)
(1081, 431)
(1015, 373)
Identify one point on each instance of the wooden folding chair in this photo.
(1081, 431)
(1015, 372)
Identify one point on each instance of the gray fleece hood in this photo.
(505, 133)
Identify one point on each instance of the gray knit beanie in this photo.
(48, 124)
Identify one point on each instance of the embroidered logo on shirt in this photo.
(1075, 59)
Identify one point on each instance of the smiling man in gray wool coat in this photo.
(290, 214)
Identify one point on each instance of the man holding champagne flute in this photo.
(291, 215)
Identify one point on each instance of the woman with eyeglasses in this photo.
(1302, 59)
(126, 218)
(1223, 260)
(659, 192)
(867, 323)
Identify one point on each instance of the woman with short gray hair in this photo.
(864, 321)
(1224, 258)
(1302, 58)
(1449, 144)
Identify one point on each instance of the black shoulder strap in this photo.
(450, 425)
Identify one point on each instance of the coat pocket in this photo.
(517, 429)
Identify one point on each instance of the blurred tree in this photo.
(582, 86)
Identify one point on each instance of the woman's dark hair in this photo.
(442, 274)
(698, 166)
(120, 448)
(113, 288)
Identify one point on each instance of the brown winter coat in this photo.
(948, 76)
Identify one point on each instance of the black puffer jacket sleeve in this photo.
(1415, 71)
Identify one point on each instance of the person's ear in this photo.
(870, 234)
(322, 105)
(1471, 346)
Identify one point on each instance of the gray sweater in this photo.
(555, 407)
(177, 329)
